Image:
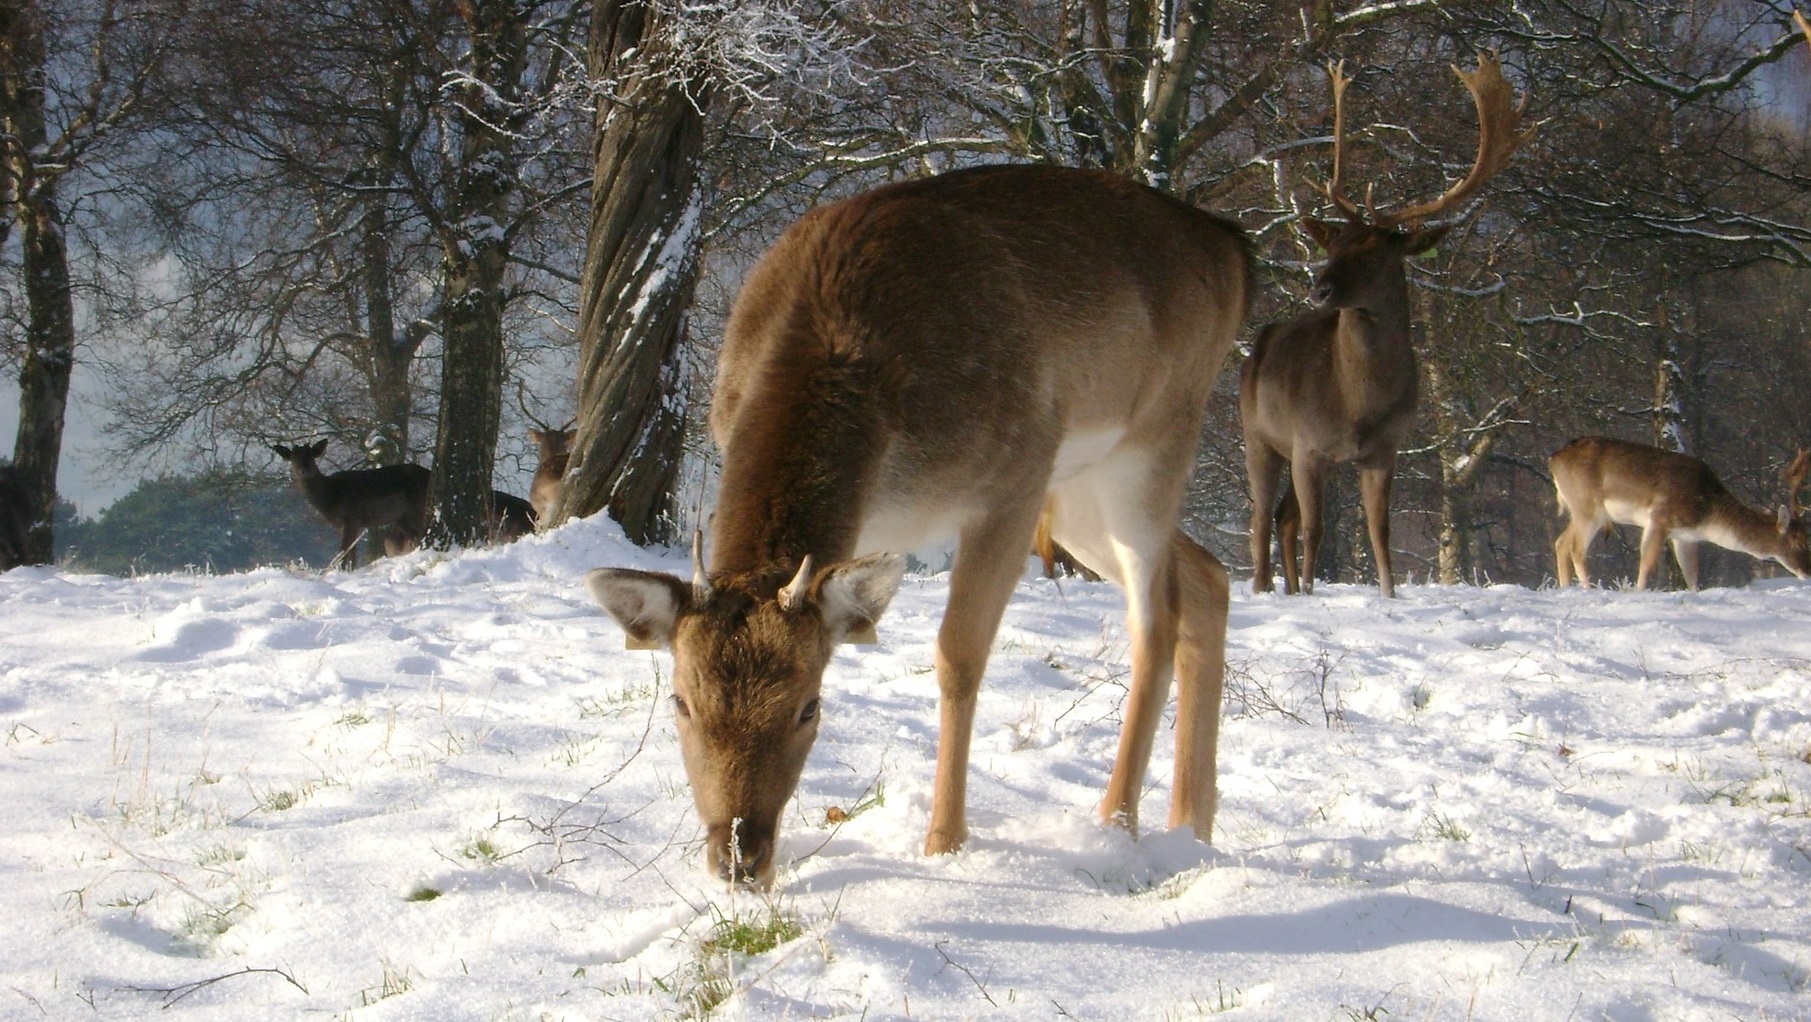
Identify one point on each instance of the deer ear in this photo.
(1320, 230)
(282, 452)
(852, 595)
(646, 603)
(318, 448)
(1423, 242)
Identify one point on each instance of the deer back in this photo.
(906, 357)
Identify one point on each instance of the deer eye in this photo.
(809, 713)
(680, 708)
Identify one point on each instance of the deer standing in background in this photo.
(511, 517)
(555, 446)
(391, 501)
(1672, 497)
(1339, 385)
(938, 358)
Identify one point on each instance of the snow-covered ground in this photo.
(440, 789)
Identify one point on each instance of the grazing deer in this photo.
(1338, 385)
(511, 517)
(392, 500)
(1672, 497)
(935, 358)
(556, 452)
(15, 517)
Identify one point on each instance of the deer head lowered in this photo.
(1672, 496)
(935, 358)
(391, 501)
(1339, 384)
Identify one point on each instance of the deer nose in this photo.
(741, 852)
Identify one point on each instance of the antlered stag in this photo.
(932, 359)
(1339, 384)
(1672, 497)
(391, 501)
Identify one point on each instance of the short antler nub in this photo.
(792, 597)
(701, 586)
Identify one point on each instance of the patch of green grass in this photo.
(1445, 827)
(703, 984)
(422, 893)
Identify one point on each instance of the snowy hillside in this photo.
(440, 789)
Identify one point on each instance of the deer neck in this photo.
(1375, 357)
(316, 488)
(793, 485)
(1733, 525)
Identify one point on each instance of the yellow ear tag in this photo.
(862, 636)
(631, 642)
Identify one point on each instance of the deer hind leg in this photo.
(1203, 595)
(1685, 551)
(1111, 519)
(1374, 492)
(1263, 469)
(990, 558)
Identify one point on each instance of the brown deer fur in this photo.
(555, 449)
(391, 501)
(1339, 385)
(932, 359)
(1675, 497)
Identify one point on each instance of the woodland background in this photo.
(409, 226)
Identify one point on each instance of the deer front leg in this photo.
(1307, 480)
(1289, 533)
(1653, 545)
(1374, 493)
(1203, 594)
(989, 560)
(349, 534)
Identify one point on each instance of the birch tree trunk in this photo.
(641, 266)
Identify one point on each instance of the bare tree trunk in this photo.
(641, 266)
(389, 355)
(50, 311)
(475, 255)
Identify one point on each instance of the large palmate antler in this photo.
(1500, 133)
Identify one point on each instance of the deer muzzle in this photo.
(741, 852)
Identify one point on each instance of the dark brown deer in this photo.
(1673, 497)
(555, 446)
(1339, 385)
(935, 358)
(15, 517)
(390, 502)
(511, 517)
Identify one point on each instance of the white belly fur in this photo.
(924, 525)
